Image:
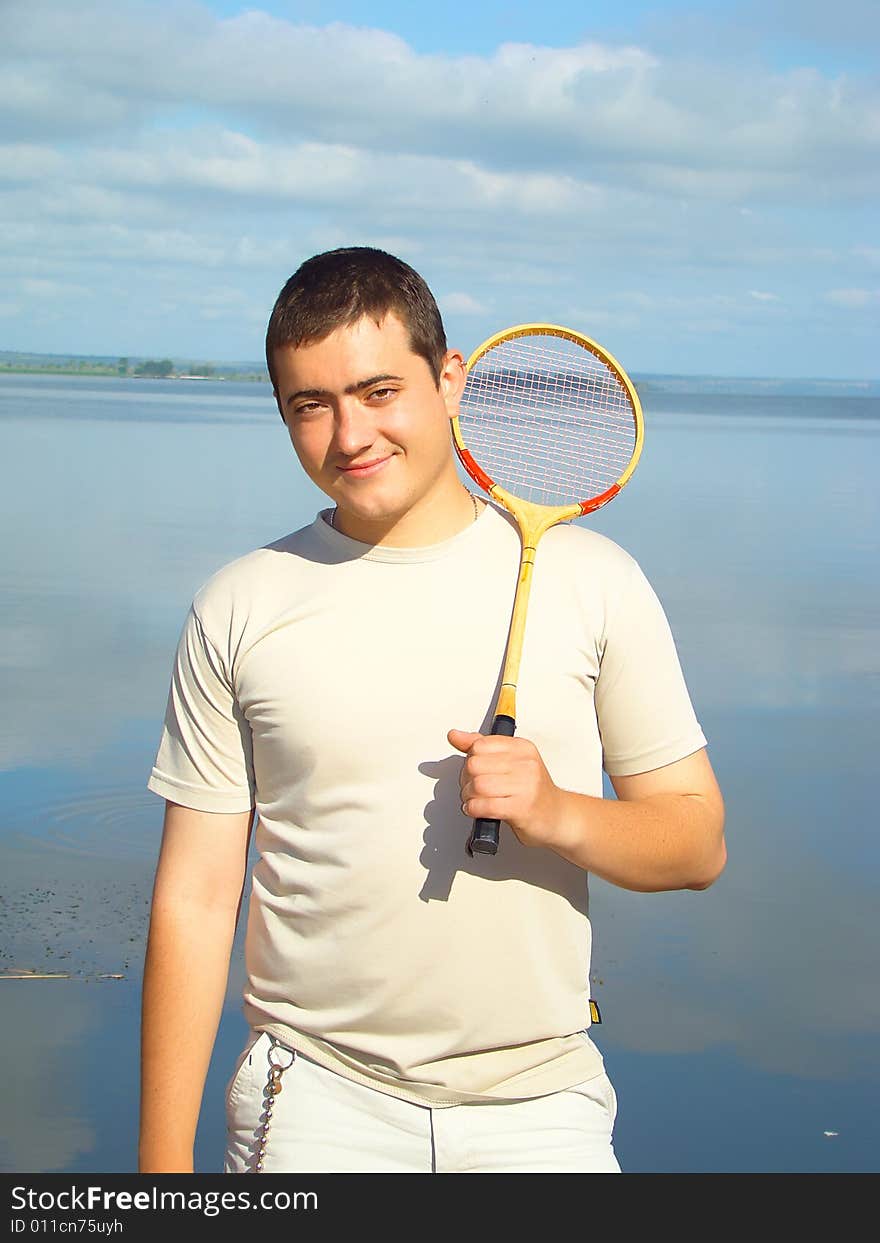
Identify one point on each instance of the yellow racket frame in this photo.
(535, 520)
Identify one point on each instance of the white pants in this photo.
(322, 1123)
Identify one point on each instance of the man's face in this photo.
(371, 427)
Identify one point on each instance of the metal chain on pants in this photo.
(277, 1066)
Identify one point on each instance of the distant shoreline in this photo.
(113, 373)
(650, 386)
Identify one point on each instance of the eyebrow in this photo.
(348, 390)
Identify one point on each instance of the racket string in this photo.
(548, 420)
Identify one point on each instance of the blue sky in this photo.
(694, 187)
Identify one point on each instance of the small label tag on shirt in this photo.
(595, 1016)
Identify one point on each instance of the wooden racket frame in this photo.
(535, 520)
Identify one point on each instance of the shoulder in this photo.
(578, 550)
(575, 544)
(584, 573)
(252, 580)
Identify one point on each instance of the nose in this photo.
(353, 427)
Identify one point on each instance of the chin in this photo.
(375, 508)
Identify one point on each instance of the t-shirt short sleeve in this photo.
(205, 756)
(646, 718)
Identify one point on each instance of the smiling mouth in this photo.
(360, 469)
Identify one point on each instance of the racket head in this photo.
(549, 417)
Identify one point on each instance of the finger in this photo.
(489, 744)
(494, 785)
(484, 763)
(483, 808)
(461, 739)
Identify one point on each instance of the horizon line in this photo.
(258, 366)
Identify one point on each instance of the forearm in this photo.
(185, 975)
(665, 841)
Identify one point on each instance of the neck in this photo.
(431, 522)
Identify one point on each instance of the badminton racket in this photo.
(551, 427)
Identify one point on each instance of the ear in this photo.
(453, 375)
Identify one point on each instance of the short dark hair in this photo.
(339, 287)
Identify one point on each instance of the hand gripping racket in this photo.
(549, 425)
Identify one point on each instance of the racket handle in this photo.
(484, 835)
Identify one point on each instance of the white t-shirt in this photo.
(316, 679)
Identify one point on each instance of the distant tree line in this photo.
(151, 368)
(159, 370)
(162, 368)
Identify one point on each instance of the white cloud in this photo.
(854, 299)
(461, 303)
(26, 162)
(589, 112)
(146, 141)
(229, 163)
(39, 288)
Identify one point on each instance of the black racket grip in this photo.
(484, 835)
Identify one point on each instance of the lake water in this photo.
(740, 1023)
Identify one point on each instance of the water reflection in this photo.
(47, 1119)
(762, 539)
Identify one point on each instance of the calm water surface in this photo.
(740, 1024)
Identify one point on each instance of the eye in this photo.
(305, 409)
(382, 394)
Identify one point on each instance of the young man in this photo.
(419, 1009)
